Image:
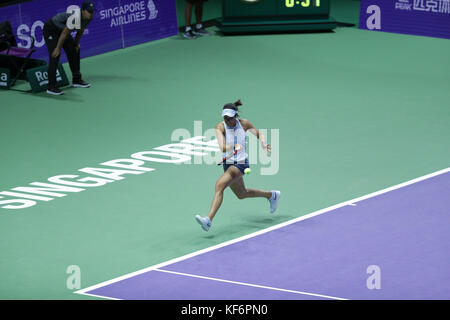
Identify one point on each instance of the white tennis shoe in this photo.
(274, 200)
(204, 222)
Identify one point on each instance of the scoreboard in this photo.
(243, 16)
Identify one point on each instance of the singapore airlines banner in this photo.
(116, 24)
(419, 17)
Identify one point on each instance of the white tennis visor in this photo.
(228, 112)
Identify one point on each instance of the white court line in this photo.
(257, 233)
(99, 296)
(250, 284)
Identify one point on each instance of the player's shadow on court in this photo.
(248, 224)
(68, 95)
(265, 222)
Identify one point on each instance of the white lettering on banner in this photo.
(152, 8)
(435, 6)
(26, 34)
(3, 79)
(42, 77)
(131, 18)
(129, 13)
(444, 6)
(374, 20)
(403, 5)
(426, 5)
(27, 196)
(419, 5)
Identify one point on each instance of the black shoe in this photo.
(54, 91)
(201, 32)
(189, 34)
(79, 83)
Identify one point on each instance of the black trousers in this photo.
(51, 37)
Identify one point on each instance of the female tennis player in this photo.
(231, 135)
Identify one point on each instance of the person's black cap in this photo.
(88, 5)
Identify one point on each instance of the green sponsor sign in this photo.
(38, 78)
(5, 78)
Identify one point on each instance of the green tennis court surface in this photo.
(356, 112)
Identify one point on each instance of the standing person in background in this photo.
(57, 36)
(191, 33)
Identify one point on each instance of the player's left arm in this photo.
(248, 126)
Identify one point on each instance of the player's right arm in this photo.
(220, 134)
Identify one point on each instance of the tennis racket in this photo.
(230, 154)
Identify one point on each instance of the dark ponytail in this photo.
(234, 106)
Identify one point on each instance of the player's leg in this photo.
(51, 41)
(239, 189)
(199, 28)
(199, 11)
(188, 33)
(222, 183)
(188, 13)
(73, 55)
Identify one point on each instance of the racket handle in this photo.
(223, 159)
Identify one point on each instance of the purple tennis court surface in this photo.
(404, 233)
